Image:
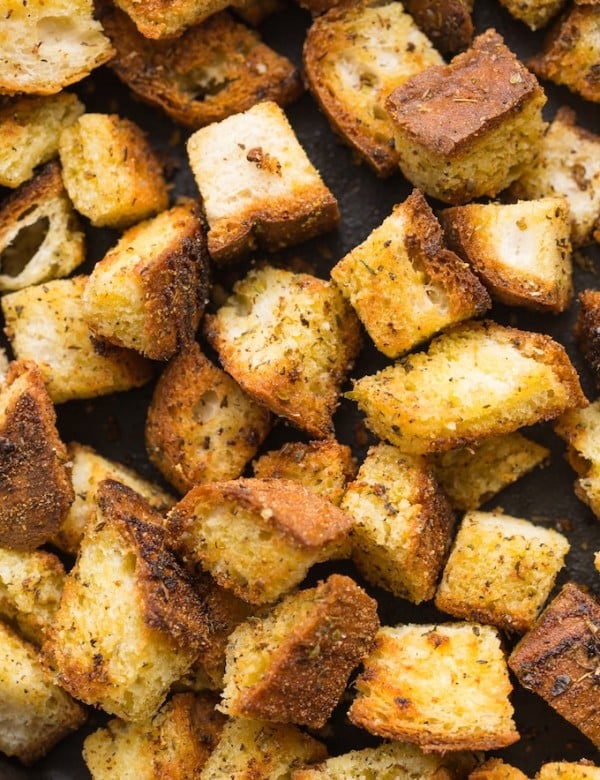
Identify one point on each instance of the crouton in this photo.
(168, 18)
(500, 570)
(30, 127)
(427, 684)
(35, 484)
(88, 470)
(47, 44)
(477, 380)
(129, 623)
(149, 291)
(256, 749)
(31, 584)
(293, 665)
(257, 537)
(40, 238)
(172, 745)
(447, 23)
(571, 53)
(587, 330)
(254, 12)
(404, 284)
(558, 658)
(35, 713)
(402, 523)
(469, 128)
(354, 56)
(521, 251)
(568, 164)
(110, 171)
(289, 340)
(45, 323)
(472, 475)
(258, 186)
(190, 80)
(533, 13)
(200, 425)
(568, 770)
(497, 769)
(322, 466)
(580, 428)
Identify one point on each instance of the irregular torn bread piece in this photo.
(533, 13)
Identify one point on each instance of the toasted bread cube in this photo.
(580, 428)
(129, 622)
(190, 80)
(568, 164)
(322, 466)
(478, 380)
(254, 12)
(88, 470)
(571, 53)
(168, 18)
(40, 238)
(533, 13)
(354, 56)
(293, 665)
(111, 173)
(426, 684)
(36, 490)
(404, 284)
(472, 475)
(30, 127)
(48, 44)
(257, 537)
(497, 769)
(258, 186)
(557, 659)
(521, 251)
(256, 749)
(501, 570)
(587, 329)
(447, 23)
(201, 426)
(289, 340)
(568, 770)
(469, 128)
(402, 523)
(45, 323)
(174, 743)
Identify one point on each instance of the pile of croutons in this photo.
(226, 606)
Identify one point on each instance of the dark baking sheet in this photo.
(114, 424)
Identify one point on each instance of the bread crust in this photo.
(447, 23)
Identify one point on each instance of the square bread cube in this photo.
(111, 173)
(558, 658)
(402, 523)
(587, 330)
(258, 186)
(168, 18)
(45, 324)
(289, 340)
(477, 380)
(447, 23)
(497, 769)
(200, 425)
(533, 13)
(500, 570)
(293, 665)
(569, 770)
(442, 687)
(404, 284)
(354, 56)
(521, 251)
(580, 428)
(469, 128)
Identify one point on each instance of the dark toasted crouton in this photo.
(447, 23)
(587, 330)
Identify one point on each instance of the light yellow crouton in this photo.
(534, 13)
(168, 18)
(580, 428)
(568, 770)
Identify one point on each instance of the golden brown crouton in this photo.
(30, 127)
(426, 684)
(257, 537)
(258, 186)
(110, 171)
(447, 23)
(497, 769)
(40, 238)
(129, 622)
(469, 128)
(404, 284)
(322, 466)
(534, 13)
(293, 665)
(254, 12)
(477, 380)
(402, 523)
(354, 56)
(558, 658)
(587, 329)
(168, 18)
(35, 480)
(288, 340)
(45, 323)
(501, 570)
(569, 770)
(521, 251)
(201, 426)
(580, 428)
(190, 79)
